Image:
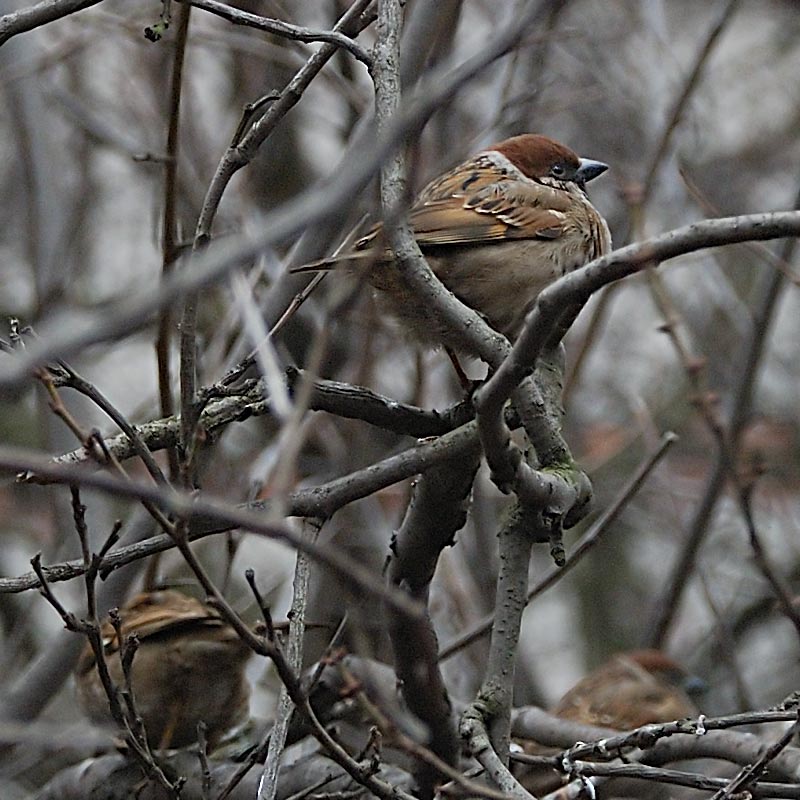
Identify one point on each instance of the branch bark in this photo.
(26, 19)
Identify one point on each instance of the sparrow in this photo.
(630, 690)
(496, 230)
(189, 666)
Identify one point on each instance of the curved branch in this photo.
(577, 287)
(26, 19)
(283, 29)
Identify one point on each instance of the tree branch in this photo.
(26, 19)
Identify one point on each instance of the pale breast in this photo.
(499, 279)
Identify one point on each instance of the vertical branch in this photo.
(486, 725)
(169, 248)
(438, 509)
(268, 786)
(515, 544)
(387, 96)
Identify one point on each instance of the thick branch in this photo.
(437, 511)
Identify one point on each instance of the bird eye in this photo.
(557, 170)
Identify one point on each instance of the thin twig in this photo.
(727, 9)
(75, 381)
(169, 247)
(781, 592)
(283, 29)
(268, 785)
(750, 774)
(768, 292)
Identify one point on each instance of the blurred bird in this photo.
(496, 230)
(189, 666)
(630, 690)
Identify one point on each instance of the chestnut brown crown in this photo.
(538, 156)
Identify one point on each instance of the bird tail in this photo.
(332, 262)
(344, 255)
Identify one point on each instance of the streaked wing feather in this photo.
(464, 180)
(499, 214)
(448, 222)
(479, 201)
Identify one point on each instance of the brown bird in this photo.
(189, 667)
(630, 690)
(495, 230)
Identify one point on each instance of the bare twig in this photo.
(768, 292)
(75, 381)
(125, 716)
(283, 29)
(243, 148)
(26, 19)
(776, 584)
(726, 10)
(169, 243)
(750, 774)
(645, 772)
(184, 506)
(334, 397)
(268, 785)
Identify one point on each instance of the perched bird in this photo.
(630, 690)
(495, 230)
(189, 666)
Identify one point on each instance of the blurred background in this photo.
(695, 106)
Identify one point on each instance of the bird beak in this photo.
(589, 169)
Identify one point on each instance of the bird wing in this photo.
(159, 613)
(616, 698)
(481, 201)
(501, 211)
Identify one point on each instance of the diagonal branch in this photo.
(577, 287)
(26, 19)
(278, 27)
